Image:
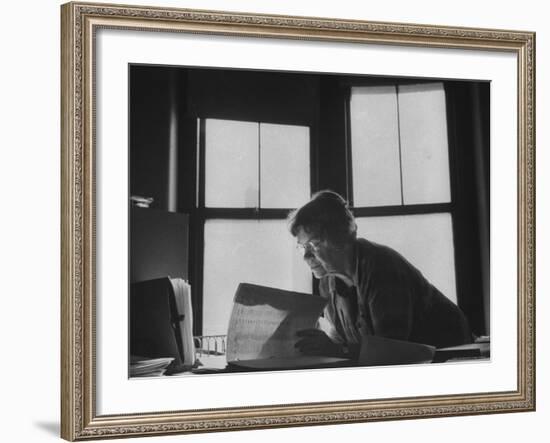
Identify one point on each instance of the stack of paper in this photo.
(182, 296)
(148, 367)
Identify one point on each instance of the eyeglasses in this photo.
(311, 246)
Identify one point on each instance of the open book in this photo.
(263, 326)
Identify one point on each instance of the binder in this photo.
(161, 322)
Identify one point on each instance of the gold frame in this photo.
(79, 420)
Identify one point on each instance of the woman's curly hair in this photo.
(326, 215)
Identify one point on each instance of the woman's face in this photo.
(321, 255)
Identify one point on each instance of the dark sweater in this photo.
(392, 299)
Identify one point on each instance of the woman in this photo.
(370, 288)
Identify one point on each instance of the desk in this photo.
(217, 364)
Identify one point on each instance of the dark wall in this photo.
(468, 117)
(152, 90)
(253, 96)
(159, 244)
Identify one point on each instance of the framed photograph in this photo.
(282, 221)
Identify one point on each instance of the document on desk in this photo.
(264, 323)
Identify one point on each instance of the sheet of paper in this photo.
(148, 367)
(264, 322)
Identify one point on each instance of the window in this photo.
(253, 174)
(401, 175)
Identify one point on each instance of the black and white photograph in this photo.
(306, 221)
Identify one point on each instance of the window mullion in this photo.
(376, 211)
(399, 142)
(258, 203)
(348, 147)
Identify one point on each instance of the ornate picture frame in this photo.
(80, 240)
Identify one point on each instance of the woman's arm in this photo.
(317, 342)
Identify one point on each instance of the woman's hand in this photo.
(316, 342)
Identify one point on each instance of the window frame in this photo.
(199, 214)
